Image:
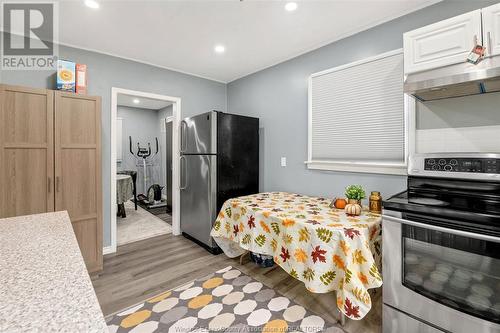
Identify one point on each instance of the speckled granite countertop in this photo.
(44, 284)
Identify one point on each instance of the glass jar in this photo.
(375, 202)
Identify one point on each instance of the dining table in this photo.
(312, 241)
(124, 192)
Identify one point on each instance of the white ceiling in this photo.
(181, 35)
(144, 103)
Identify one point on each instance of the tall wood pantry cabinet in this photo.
(50, 160)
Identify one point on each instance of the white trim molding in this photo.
(376, 167)
(176, 117)
(354, 166)
(108, 250)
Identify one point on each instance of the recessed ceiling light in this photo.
(136, 101)
(219, 49)
(92, 4)
(291, 6)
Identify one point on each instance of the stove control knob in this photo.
(453, 162)
(436, 167)
(448, 168)
(442, 162)
(431, 161)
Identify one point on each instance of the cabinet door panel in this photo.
(26, 118)
(26, 182)
(78, 121)
(86, 232)
(491, 29)
(78, 170)
(443, 43)
(26, 151)
(77, 182)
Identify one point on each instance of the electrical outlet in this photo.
(283, 161)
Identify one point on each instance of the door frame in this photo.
(176, 117)
(166, 120)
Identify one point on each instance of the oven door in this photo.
(446, 278)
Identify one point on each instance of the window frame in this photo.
(365, 166)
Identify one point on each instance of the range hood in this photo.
(457, 80)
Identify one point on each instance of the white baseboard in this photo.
(108, 250)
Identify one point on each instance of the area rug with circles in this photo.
(225, 301)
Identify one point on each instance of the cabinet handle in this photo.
(49, 181)
(488, 37)
(57, 184)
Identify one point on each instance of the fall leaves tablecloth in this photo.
(318, 245)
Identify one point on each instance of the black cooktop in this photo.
(458, 199)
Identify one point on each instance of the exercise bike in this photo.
(150, 197)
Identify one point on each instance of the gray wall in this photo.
(198, 95)
(142, 125)
(278, 96)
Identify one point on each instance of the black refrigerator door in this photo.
(237, 156)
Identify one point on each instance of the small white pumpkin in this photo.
(353, 208)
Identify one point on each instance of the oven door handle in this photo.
(462, 233)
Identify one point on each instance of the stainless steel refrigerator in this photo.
(219, 160)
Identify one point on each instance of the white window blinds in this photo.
(357, 112)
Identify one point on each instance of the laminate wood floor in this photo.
(145, 268)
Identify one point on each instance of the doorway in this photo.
(144, 169)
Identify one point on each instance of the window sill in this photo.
(377, 168)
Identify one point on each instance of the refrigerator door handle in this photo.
(183, 136)
(183, 172)
(210, 187)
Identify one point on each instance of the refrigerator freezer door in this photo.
(198, 196)
(237, 156)
(199, 134)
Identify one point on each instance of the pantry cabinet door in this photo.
(443, 43)
(26, 151)
(78, 170)
(491, 29)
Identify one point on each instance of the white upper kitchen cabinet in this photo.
(443, 43)
(491, 29)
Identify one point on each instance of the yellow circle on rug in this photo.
(160, 297)
(199, 301)
(275, 326)
(135, 318)
(213, 282)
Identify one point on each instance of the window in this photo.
(357, 117)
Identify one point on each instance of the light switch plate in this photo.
(283, 161)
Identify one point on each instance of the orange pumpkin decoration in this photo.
(340, 203)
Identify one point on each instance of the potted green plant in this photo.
(354, 195)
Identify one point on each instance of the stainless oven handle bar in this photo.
(441, 229)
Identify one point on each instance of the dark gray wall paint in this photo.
(278, 96)
(198, 95)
